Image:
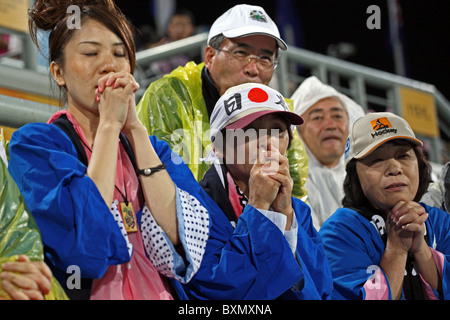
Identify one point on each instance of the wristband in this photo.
(149, 171)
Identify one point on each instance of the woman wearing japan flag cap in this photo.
(263, 244)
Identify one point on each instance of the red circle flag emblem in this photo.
(257, 95)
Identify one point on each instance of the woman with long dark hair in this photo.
(104, 195)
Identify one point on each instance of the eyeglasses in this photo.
(265, 62)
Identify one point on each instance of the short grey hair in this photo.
(216, 42)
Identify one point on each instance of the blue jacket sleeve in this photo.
(253, 261)
(438, 225)
(76, 224)
(351, 245)
(317, 282)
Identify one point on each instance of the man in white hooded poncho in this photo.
(328, 115)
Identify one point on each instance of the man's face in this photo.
(227, 71)
(325, 130)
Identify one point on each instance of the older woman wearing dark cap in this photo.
(384, 244)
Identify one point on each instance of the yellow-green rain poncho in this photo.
(174, 110)
(19, 233)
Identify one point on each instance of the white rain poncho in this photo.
(324, 185)
(438, 193)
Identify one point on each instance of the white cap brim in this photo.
(249, 31)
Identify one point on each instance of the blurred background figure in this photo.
(181, 25)
(10, 45)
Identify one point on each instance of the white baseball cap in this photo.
(244, 20)
(241, 105)
(372, 130)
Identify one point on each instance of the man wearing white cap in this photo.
(263, 245)
(327, 114)
(243, 47)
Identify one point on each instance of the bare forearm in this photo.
(159, 189)
(393, 264)
(103, 163)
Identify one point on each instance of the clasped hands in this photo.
(26, 280)
(406, 226)
(270, 184)
(116, 97)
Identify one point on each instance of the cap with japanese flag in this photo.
(241, 105)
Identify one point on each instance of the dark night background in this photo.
(426, 30)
